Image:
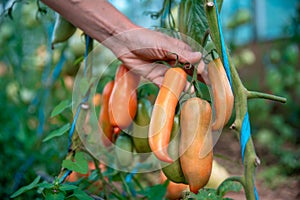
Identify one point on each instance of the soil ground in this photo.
(228, 147)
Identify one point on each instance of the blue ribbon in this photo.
(73, 126)
(48, 81)
(246, 130)
(223, 46)
(86, 98)
(255, 193)
(88, 43)
(66, 174)
(58, 68)
(245, 133)
(129, 177)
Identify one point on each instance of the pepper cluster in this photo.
(178, 134)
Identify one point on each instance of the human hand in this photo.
(140, 48)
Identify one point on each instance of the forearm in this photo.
(138, 48)
(97, 18)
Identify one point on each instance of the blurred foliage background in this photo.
(34, 79)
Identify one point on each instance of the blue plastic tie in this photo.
(86, 98)
(58, 68)
(129, 177)
(73, 126)
(256, 193)
(86, 53)
(19, 175)
(246, 131)
(45, 96)
(223, 46)
(41, 117)
(66, 174)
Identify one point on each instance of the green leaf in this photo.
(147, 89)
(60, 107)
(192, 19)
(45, 185)
(156, 192)
(79, 194)
(58, 132)
(66, 187)
(206, 194)
(54, 196)
(80, 164)
(78, 60)
(110, 172)
(228, 186)
(32, 185)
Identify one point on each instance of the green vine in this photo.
(241, 94)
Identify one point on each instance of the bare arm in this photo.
(98, 18)
(135, 46)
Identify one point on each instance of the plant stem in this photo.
(251, 161)
(232, 178)
(99, 172)
(254, 94)
(112, 187)
(241, 97)
(240, 93)
(126, 187)
(75, 146)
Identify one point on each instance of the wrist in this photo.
(123, 25)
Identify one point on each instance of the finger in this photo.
(200, 67)
(191, 57)
(184, 51)
(154, 72)
(204, 73)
